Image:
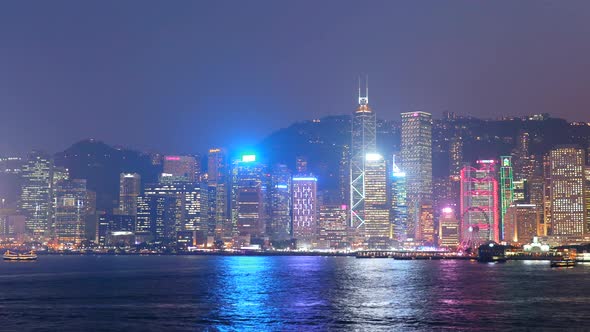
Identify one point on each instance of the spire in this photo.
(367, 89)
(359, 90)
(364, 100)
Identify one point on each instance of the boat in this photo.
(563, 262)
(491, 252)
(10, 256)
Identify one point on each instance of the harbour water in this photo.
(193, 293)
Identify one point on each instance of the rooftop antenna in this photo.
(367, 89)
(364, 100)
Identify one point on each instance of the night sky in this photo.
(181, 76)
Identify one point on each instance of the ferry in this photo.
(9, 256)
(563, 262)
(491, 252)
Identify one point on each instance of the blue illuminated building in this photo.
(247, 197)
(398, 202)
(279, 227)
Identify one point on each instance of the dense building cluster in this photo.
(419, 191)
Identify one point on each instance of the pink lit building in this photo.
(479, 212)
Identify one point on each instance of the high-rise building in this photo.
(448, 229)
(377, 223)
(506, 188)
(344, 177)
(110, 226)
(57, 174)
(157, 217)
(217, 179)
(479, 204)
(522, 223)
(182, 168)
(12, 226)
(442, 195)
(247, 203)
(280, 191)
(425, 228)
(521, 194)
(145, 224)
(587, 196)
(35, 203)
(455, 155)
(536, 197)
(305, 209)
(364, 141)
(69, 214)
(129, 190)
(333, 231)
(91, 218)
(398, 203)
(547, 195)
(11, 165)
(186, 199)
(524, 164)
(568, 215)
(416, 161)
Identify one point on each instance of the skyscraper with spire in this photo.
(364, 138)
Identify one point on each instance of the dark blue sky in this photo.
(180, 76)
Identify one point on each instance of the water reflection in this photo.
(289, 293)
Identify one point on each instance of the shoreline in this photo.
(276, 254)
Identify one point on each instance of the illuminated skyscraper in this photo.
(70, 197)
(479, 204)
(425, 227)
(536, 189)
(587, 196)
(109, 226)
(568, 215)
(182, 168)
(377, 223)
(364, 140)
(416, 161)
(523, 162)
(217, 179)
(247, 197)
(333, 228)
(57, 174)
(280, 191)
(506, 188)
(145, 224)
(185, 199)
(522, 223)
(448, 229)
(129, 190)
(35, 203)
(521, 193)
(305, 210)
(156, 217)
(344, 177)
(398, 214)
(456, 155)
(547, 194)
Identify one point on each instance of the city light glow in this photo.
(248, 158)
(373, 157)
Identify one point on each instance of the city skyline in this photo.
(218, 165)
(112, 77)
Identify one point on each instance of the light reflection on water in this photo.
(289, 293)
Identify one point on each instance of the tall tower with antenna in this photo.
(364, 138)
